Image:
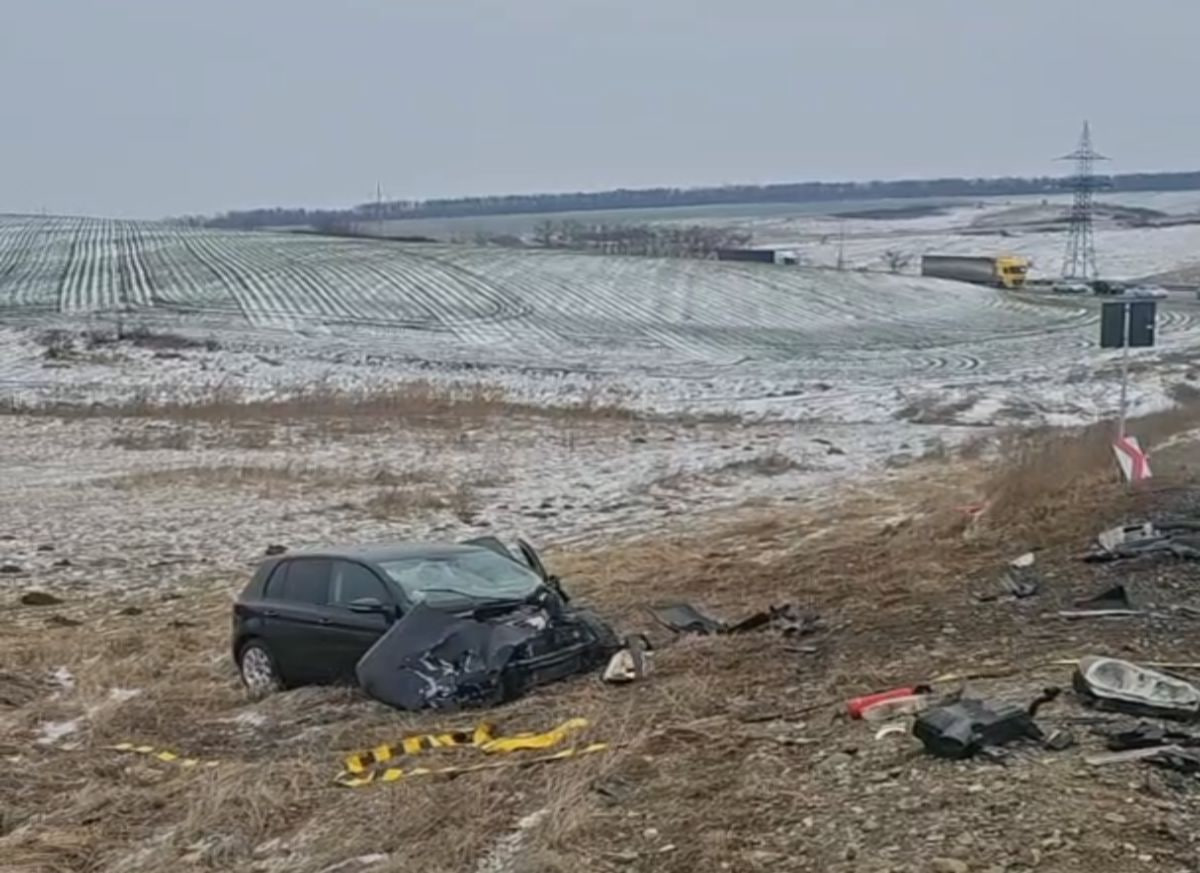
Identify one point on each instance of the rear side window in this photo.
(353, 582)
(302, 580)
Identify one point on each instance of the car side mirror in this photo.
(369, 604)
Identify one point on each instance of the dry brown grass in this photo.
(406, 501)
(417, 402)
(1044, 477)
(175, 439)
(935, 410)
(707, 770)
(230, 476)
(772, 463)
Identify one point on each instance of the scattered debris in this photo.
(52, 731)
(1114, 602)
(1112, 684)
(40, 598)
(1186, 761)
(859, 706)
(912, 704)
(10, 569)
(1023, 562)
(1020, 580)
(1104, 759)
(62, 562)
(1147, 735)
(63, 678)
(131, 610)
(1179, 538)
(896, 727)
(634, 662)
(275, 549)
(45, 547)
(964, 729)
(684, 618)
(1114, 538)
(1059, 740)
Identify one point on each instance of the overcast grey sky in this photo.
(154, 107)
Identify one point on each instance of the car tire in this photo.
(258, 670)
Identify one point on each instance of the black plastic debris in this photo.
(963, 729)
(1186, 761)
(969, 726)
(1121, 686)
(1116, 597)
(1179, 538)
(1114, 602)
(1147, 735)
(685, 618)
(274, 549)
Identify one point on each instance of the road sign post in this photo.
(1128, 324)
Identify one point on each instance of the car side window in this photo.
(353, 582)
(305, 580)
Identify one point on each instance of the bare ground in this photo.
(733, 756)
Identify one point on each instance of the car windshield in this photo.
(481, 575)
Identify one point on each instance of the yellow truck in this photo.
(999, 271)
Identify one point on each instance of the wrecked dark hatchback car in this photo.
(417, 625)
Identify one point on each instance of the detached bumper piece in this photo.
(432, 659)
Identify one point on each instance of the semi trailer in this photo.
(1000, 271)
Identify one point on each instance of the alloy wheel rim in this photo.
(256, 670)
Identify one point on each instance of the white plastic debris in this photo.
(1122, 534)
(1026, 560)
(63, 678)
(358, 863)
(53, 731)
(632, 663)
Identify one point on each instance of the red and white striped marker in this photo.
(1135, 464)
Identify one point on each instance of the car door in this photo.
(352, 632)
(298, 619)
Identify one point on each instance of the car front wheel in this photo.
(259, 673)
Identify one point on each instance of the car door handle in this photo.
(324, 621)
(270, 613)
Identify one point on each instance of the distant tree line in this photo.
(659, 198)
(697, 241)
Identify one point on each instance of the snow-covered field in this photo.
(988, 226)
(290, 311)
(821, 379)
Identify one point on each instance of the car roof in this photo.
(381, 552)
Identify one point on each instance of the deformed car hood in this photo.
(435, 659)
